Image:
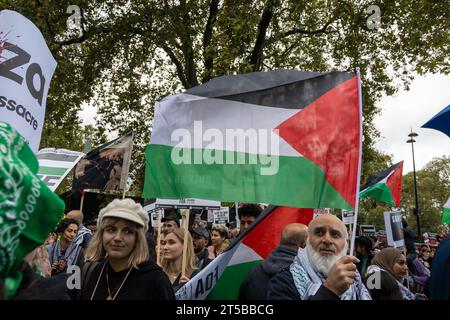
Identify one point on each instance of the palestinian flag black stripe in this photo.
(287, 92)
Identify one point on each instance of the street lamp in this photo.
(411, 140)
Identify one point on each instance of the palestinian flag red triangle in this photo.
(327, 132)
(385, 186)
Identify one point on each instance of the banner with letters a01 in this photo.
(26, 69)
(55, 164)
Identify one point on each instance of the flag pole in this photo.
(236, 205)
(124, 191)
(82, 201)
(185, 215)
(158, 237)
(353, 235)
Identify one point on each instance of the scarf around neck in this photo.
(308, 281)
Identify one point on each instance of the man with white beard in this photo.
(323, 270)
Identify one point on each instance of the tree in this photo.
(433, 185)
(130, 53)
(433, 189)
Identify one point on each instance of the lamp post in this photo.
(411, 140)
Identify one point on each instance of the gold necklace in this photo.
(112, 295)
(109, 297)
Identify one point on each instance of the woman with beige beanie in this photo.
(118, 266)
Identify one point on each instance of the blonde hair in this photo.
(138, 255)
(190, 255)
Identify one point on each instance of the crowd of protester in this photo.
(117, 253)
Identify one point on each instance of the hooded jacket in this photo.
(255, 284)
(148, 282)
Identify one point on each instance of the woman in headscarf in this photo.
(393, 262)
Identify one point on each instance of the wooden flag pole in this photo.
(350, 230)
(238, 224)
(185, 216)
(82, 201)
(124, 191)
(355, 216)
(158, 237)
(128, 155)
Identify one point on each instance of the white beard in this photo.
(321, 263)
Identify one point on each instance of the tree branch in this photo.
(177, 64)
(266, 17)
(309, 32)
(207, 36)
(188, 51)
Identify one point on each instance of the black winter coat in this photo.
(148, 282)
(255, 284)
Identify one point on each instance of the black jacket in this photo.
(408, 235)
(282, 287)
(255, 284)
(202, 259)
(35, 287)
(148, 282)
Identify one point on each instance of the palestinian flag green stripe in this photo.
(446, 212)
(380, 192)
(298, 182)
(52, 171)
(232, 274)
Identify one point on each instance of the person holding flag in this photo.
(323, 270)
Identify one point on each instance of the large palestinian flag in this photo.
(446, 212)
(282, 137)
(385, 186)
(222, 278)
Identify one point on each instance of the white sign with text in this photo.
(26, 69)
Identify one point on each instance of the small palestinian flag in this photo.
(222, 278)
(385, 186)
(446, 212)
(282, 137)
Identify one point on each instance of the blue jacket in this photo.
(440, 272)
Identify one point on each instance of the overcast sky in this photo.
(411, 109)
(407, 109)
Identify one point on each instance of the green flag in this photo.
(446, 212)
(28, 209)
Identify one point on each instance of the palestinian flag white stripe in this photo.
(56, 164)
(236, 117)
(244, 254)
